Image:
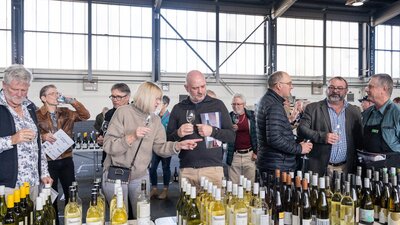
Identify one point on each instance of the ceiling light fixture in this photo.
(355, 2)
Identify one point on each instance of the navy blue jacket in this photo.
(277, 148)
(9, 158)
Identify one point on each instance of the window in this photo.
(5, 33)
(299, 46)
(387, 50)
(342, 49)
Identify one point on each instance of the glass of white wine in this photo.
(190, 116)
(235, 118)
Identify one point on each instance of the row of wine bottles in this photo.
(20, 210)
(285, 199)
(87, 141)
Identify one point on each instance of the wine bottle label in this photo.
(322, 221)
(287, 219)
(184, 222)
(306, 221)
(218, 220)
(394, 218)
(264, 219)
(357, 215)
(31, 218)
(94, 223)
(255, 215)
(241, 219)
(179, 219)
(77, 146)
(21, 223)
(295, 220)
(26, 220)
(383, 216)
(73, 221)
(366, 215)
(144, 210)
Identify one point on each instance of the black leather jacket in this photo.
(277, 148)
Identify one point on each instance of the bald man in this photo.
(212, 120)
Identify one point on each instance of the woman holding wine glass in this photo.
(242, 153)
(133, 133)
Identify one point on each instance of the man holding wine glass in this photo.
(210, 121)
(242, 153)
(334, 126)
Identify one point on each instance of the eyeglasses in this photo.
(332, 88)
(118, 98)
(237, 104)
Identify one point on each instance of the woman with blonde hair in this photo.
(133, 133)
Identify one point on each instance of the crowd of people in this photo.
(143, 132)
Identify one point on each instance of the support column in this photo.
(17, 31)
(155, 42)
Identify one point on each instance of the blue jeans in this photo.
(165, 166)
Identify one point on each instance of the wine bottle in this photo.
(3, 205)
(20, 213)
(223, 188)
(96, 144)
(356, 201)
(176, 175)
(119, 216)
(29, 202)
(91, 140)
(255, 206)
(10, 218)
(39, 214)
(205, 203)
(296, 206)
(247, 194)
(328, 190)
(101, 199)
(94, 215)
(229, 207)
(24, 206)
(277, 213)
(194, 214)
(288, 201)
(78, 199)
(50, 212)
(305, 210)
(385, 196)
(394, 204)
(143, 206)
(240, 209)
(210, 203)
(264, 217)
(322, 204)
(314, 196)
(217, 210)
(335, 204)
(376, 196)
(113, 202)
(367, 206)
(179, 205)
(74, 141)
(78, 143)
(347, 207)
(201, 191)
(72, 211)
(186, 204)
(85, 141)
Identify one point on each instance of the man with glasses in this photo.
(382, 121)
(242, 153)
(334, 126)
(277, 146)
(120, 94)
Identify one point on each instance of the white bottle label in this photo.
(383, 216)
(322, 221)
(255, 215)
(287, 218)
(73, 221)
(218, 220)
(264, 219)
(366, 215)
(31, 219)
(394, 218)
(241, 219)
(295, 220)
(306, 222)
(144, 210)
(94, 223)
(357, 215)
(21, 223)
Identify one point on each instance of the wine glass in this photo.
(235, 118)
(190, 116)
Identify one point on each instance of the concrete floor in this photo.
(85, 173)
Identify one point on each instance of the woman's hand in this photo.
(139, 133)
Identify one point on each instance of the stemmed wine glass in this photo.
(235, 118)
(190, 116)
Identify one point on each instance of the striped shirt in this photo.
(338, 124)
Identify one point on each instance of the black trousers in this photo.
(63, 170)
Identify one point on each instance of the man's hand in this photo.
(185, 129)
(49, 137)
(306, 147)
(332, 138)
(253, 157)
(204, 130)
(23, 135)
(47, 180)
(189, 144)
